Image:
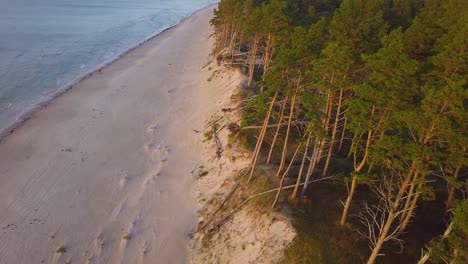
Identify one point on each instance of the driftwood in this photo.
(211, 123)
(228, 109)
(257, 127)
(211, 218)
(244, 202)
(219, 145)
(297, 122)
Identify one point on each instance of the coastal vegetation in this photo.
(360, 108)
(60, 250)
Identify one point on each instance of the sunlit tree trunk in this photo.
(354, 182)
(410, 195)
(284, 175)
(358, 168)
(371, 166)
(258, 146)
(392, 216)
(334, 130)
(286, 138)
(353, 145)
(413, 196)
(446, 234)
(232, 46)
(278, 127)
(343, 132)
(328, 111)
(253, 59)
(451, 193)
(268, 54)
(381, 240)
(226, 35)
(299, 175)
(409, 209)
(311, 168)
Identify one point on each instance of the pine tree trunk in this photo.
(315, 158)
(353, 145)
(284, 175)
(366, 153)
(407, 181)
(343, 132)
(451, 193)
(253, 58)
(286, 138)
(410, 197)
(311, 168)
(426, 256)
(268, 54)
(344, 215)
(456, 253)
(278, 127)
(226, 35)
(382, 237)
(413, 205)
(357, 169)
(328, 111)
(232, 46)
(299, 175)
(335, 128)
(391, 215)
(258, 146)
(320, 150)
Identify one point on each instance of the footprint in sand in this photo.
(143, 249)
(152, 179)
(126, 237)
(99, 244)
(151, 147)
(123, 181)
(152, 129)
(165, 151)
(158, 151)
(118, 209)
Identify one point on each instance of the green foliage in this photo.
(363, 178)
(401, 66)
(459, 238)
(400, 13)
(202, 172)
(255, 110)
(454, 247)
(359, 24)
(60, 250)
(427, 193)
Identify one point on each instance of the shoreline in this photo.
(105, 172)
(35, 107)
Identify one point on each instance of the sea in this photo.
(46, 46)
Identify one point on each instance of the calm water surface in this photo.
(46, 44)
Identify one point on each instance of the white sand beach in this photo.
(105, 172)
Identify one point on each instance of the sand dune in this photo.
(106, 170)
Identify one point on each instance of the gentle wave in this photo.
(14, 111)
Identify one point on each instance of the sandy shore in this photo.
(106, 170)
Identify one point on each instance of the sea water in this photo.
(47, 45)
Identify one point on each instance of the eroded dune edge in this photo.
(230, 228)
